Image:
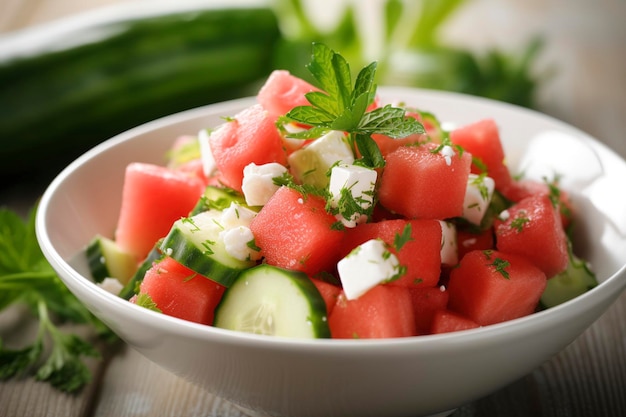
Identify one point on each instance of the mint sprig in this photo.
(341, 106)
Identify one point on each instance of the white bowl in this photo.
(422, 375)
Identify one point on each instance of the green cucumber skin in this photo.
(98, 268)
(194, 259)
(131, 287)
(319, 323)
(57, 104)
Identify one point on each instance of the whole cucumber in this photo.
(69, 85)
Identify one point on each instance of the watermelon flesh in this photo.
(180, 292)
(153, 197)
(490, 287)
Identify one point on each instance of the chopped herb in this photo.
(190, 221)
(208, 250)
(144, 300)
(500, 264)
(287, 180)
(518, 222)
(399, 240)
(252, 245)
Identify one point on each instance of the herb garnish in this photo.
(340, 106)
(27, 278)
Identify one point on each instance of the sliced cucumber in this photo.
(107, 260)
(273, 301)
(574, 281)
(194, 242)
(218, 198)
(132, 287)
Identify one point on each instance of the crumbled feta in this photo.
(360, 183)
(449, 249)
(310, 164)
(111, 285)
(206, 155)
(258, 182)
(504, 215)
(236, 215)
(238, 243)
(447, 152)
(368, 265)
(478, 195)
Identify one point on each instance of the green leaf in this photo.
(370, 153)
(16, 362)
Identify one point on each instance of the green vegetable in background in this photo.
(27, 278)
(414, 54)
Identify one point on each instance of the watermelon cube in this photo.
(295, 232)
(446, 321)
(329, 292)
(532, 228)
(153, 197)
(426, 302)
(482, 140)
(490, 287)
(420, 253)
(249, 137)
(424, 182)
(384, 311)
(180, 292)
(282, 92)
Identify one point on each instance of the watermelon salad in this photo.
(319, 212)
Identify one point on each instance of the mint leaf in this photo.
(341, 106)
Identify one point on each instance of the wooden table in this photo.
(587, 379)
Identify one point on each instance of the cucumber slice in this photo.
(574, 281)
(132, 287)
(219, 198)
(107, 260)
(194, 242)
(273, 301)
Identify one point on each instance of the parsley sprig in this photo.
(27, 278)
(344, 107)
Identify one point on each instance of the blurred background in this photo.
(566, 58)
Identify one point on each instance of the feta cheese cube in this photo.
(258, 182)
(368, 265)
(238, 242)
(111, 285)
(357, 184)
(449, 245)
(236, 215)
(478, 195)
(206, 155)
(310, 164)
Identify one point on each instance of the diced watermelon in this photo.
(330, 293)
(282, 92)
(427, 301)
(518, 190)
(469, 240)
(296, 232)
(533, 229)
(418, 182)
(446, 321)
(482, 140)
(153, 197)
(384, 311)
(250, 136)
(491, 287)
(421, 254)
(180, 292)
